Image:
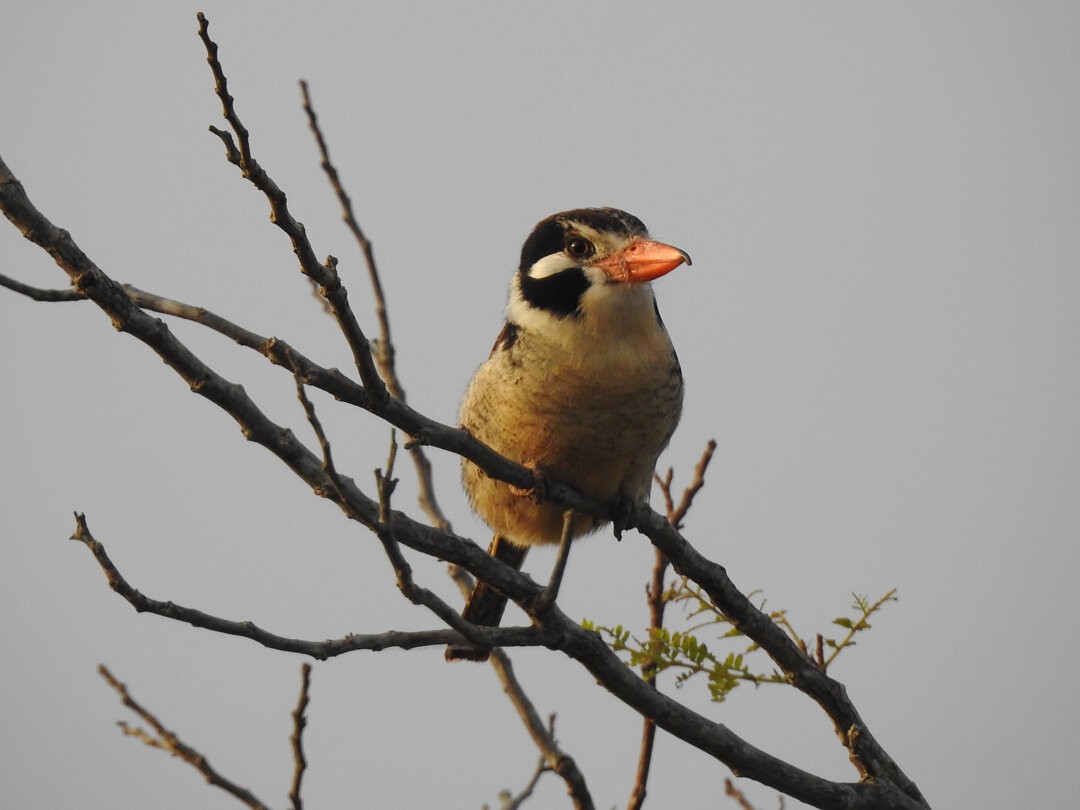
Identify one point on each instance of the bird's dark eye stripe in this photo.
(546, 239)
(549, 236)
(560, 294)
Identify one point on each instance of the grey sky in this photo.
(880, 329)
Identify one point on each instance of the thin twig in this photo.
(39, 294)
(383, 526)
(543, 736)
(384, 346)
(678, 513)
(168, 741)
(551, 592)
(320, 650)
(508, 801)
(325, 274)
(654, 594)
(737, 795)
(886, 785)
(297, 737)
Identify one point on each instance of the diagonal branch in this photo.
(325, 275)
(543, 736)
(882, 775)
(552, 757)
(384, 347)
(385, 484)
(586, 647)
(167, 741)
(320, 650)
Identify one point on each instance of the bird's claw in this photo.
(623, 517)
(539, 489)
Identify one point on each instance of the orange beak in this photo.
(642, 260)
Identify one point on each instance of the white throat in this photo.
(617, 326)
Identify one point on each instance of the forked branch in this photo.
(883, 785)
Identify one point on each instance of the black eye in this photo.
(579, 248)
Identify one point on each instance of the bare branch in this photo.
(677, 514)
(558, 630)
(320, 650)
(384, 347)
(296, 739)
(799, 668)
(325, 274)
(654, 593)
(167, 741)
(551, 592)
(39, 294)
(543, 736)
(885, 785)
(508, 801)
(115, 300)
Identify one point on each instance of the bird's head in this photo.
(586, 258)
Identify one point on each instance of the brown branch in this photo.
(551, 756)
(384, 353)
(39, 294)
(799, 668)
(402, 570)
(886, 785)
(297, 737)
(123, 304)
(543, 736)
(320, 650)
(508, 801)
(167, 741)
(558, 630)
(325, 274)
(654, 593)
(737, 795)
(551, 592)
(383, 528)
(676, 514)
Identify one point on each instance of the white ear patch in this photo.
(551, 265)
(603, 243)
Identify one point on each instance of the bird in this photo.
(582, 385)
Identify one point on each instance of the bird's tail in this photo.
(485, 605)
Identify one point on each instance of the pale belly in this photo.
(602, 436)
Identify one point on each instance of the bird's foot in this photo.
(623, 516)
(538, 491)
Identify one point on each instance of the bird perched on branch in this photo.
(582, 385)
